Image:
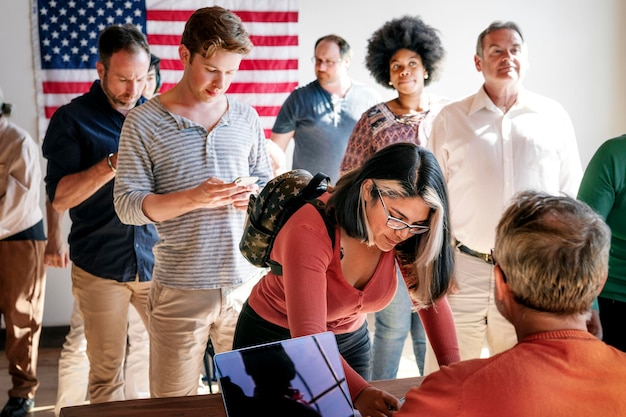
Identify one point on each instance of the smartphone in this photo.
(244, 181)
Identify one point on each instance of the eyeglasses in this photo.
(328, 63)
(397, 224)
(496, 263)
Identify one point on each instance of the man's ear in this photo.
(502, 290)
(478, 63)
(100, 69)
(602, 283)
(502, 293)
(184, 54)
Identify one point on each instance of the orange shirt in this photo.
(566, 373)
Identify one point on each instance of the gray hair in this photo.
(553, 251)
(496, 25)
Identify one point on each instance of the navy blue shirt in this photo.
(81, 134)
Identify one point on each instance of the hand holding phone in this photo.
(245, 181)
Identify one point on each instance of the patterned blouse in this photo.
(380, 127)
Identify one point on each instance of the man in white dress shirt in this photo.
(491, 145)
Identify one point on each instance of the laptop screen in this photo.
(295, 377)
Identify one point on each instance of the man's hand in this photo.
(216, 193)
(57, 254)
(210, 193)
(242, 199)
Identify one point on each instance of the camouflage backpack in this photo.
(273, 206)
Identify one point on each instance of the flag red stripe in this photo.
(269, 111)
(49, 111)
(55, 87)
(51, 87)
(257, 40)
(247, 88)
(246, 64)
(251, 88)
(172, 40)
(168, 15)
(269, 64)
(246, 16)
(273, 16)
(170, 64)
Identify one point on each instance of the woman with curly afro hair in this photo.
(405, 54)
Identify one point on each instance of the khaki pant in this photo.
(181, 322)
(22, 287)
(478, 322)
(104, 306)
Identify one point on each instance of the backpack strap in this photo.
(275, 267)
(315, 187)
(330, 225)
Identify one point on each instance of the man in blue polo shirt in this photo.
(112, 262)
(320, 116)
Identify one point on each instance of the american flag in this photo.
(65, 36)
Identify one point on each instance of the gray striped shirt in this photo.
(161, 153)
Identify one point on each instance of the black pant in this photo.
(253, 329)
(612, 315)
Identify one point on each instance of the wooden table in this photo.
(210, 405)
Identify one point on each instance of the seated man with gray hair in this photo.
(551, 260)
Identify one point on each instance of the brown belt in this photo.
(484, 256)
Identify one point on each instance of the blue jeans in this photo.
(392, 326)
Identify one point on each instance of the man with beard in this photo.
(112, 262)
(320, 116)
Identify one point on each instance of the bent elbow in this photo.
(118, 204)
(128, 208)
(59, 205)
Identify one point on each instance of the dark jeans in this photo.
(253, 329)
(612, 313)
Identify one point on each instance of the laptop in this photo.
(295, 377)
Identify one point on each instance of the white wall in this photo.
(577, 55)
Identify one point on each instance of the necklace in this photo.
(412, 119)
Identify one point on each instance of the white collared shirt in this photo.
(20, 180)
(487, 156)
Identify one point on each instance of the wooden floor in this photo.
(47, 372)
